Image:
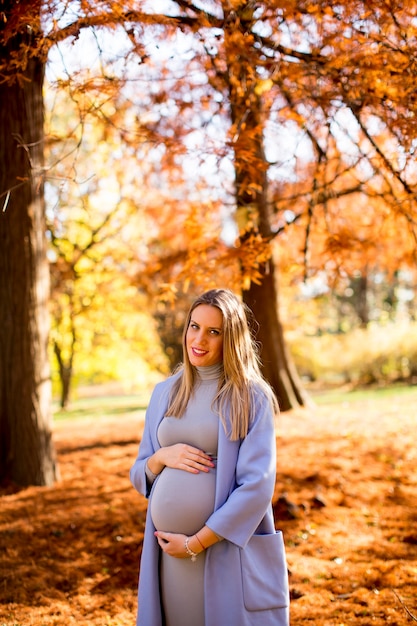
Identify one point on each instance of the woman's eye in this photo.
(215, 332)
(194, 326)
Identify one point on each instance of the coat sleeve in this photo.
(248, 503)
(149, 442)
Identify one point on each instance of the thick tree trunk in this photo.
(253, 217)
(26, 449)
(278, 366)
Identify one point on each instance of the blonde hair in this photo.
(241, 378)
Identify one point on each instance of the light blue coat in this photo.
(245, 481)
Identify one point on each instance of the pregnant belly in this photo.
(181, 502)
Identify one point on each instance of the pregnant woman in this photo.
(211, 555)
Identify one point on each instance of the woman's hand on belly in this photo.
(174, 544)
(180, 456)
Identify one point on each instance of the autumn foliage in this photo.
(305, 113)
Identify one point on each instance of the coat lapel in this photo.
(227, 454)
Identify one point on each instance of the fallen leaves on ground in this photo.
(345, 499)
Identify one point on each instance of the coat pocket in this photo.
(264, 573)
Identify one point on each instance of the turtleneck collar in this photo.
(211, 372)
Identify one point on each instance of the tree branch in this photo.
(356, 112)
(413, 617)
(114, 19)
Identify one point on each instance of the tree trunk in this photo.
(253, 218)
(66, 378)
(26, 450)
(361, 298)
(278, 366)
(65, 372)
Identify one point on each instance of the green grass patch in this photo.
(377, 394)
(102, 406)
(117, 405)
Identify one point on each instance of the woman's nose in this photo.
(200, 336)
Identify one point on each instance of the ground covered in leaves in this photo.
(346, 500)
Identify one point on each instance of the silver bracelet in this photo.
(188, 550)
(152, 475)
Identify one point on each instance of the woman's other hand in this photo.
(174, 544)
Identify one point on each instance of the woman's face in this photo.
(204, 338)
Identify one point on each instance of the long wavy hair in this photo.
(241, 378)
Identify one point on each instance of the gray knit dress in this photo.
(181, 502)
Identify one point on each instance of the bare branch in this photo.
(413, 617)
(356, 112)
